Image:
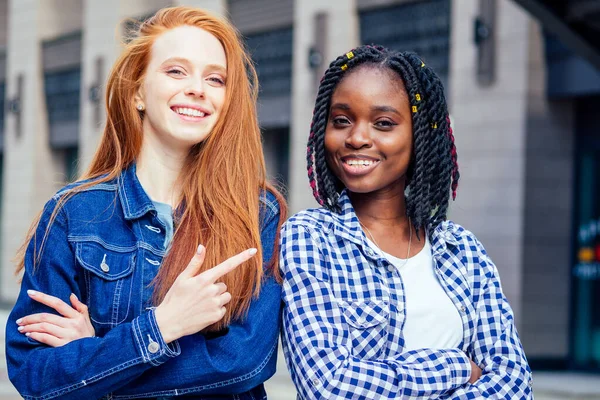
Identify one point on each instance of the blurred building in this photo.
(523, 84)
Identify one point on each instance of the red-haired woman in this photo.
(168, 238)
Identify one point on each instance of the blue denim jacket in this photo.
(106, 246)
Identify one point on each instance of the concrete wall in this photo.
(3, 23)
(59, 17)
(101, 40)
(548, 211)
(490, 131)
(31, 171)
(342, 35)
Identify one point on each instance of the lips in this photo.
(359, 165)
(190, 112)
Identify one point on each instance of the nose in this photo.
(359, 137)
(195, 88)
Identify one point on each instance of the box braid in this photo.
(433, 170)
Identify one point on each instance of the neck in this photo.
(388, 208)
(158, 170)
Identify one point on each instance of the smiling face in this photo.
(183, 90)
(368, 139)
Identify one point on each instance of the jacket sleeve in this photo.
(233, 363)
(495, 347)
(318, 350)
(86, 368)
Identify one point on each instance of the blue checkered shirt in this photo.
(344, 311)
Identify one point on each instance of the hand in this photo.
(195, 301)
(475, 372)
(54, 330)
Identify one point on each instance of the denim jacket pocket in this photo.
(108, 278)
(367, 322)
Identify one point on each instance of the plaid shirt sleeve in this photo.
(495, 347)
(318, 350)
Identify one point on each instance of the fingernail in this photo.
(200, 249)
(20, 328)
(28, 334)
(19, 320)
(252, 251)
(31, 292)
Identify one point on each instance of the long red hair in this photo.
(222, 177)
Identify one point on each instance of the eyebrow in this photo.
(218, 67)
(340, 106)
(385, 109)
(346, 107)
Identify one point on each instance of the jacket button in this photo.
(153, 347)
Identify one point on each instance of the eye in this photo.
(385, 124)
(340, 121)
(175, 72)
(217, 80)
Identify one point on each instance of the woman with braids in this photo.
(148, 238)
(383, 297)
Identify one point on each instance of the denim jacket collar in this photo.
(134, 200)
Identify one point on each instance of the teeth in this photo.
(363, 163)
(191, 112)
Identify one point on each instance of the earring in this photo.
(140, 107)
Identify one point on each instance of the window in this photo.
(272, 55)
(422, 27)
(62, 101)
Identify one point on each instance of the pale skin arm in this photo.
(193, 302)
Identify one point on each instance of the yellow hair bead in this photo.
(434, 125)
(349, 55)
(422, 64)
(414, 109)
(418, 97)
(344, 67)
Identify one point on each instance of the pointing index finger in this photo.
(228, 265)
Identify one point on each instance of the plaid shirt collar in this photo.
(348, 227)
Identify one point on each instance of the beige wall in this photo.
(59, 17)
(218, 7)
(342, 35)
(549, 190)
(31, 171)
(3, 23)
(489, 126)
(102, 40)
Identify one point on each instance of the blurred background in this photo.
(522, 80)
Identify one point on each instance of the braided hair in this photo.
(433, 170)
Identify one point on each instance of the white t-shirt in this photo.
(432, 320)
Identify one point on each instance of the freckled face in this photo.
(184, 87)
(369, 138)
